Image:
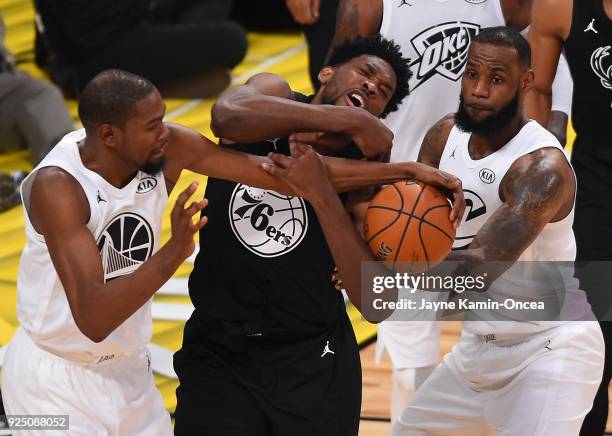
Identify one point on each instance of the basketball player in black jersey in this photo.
(269, 349)
(584, 30)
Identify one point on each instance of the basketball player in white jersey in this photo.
(518, 377)
(435, 34)
(93, 257)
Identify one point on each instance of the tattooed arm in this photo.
(537, 189)
(435, 140)
(356, 18)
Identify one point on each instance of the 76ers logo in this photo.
(265, 222)
(443, 50)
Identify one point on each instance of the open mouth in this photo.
(356, 99)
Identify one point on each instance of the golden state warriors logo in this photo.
(267, 223)
(125, 243)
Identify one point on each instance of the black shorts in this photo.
(237, 384)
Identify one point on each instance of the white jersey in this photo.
(435, 35)
(125, 223)
(481, 181)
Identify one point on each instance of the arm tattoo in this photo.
(434, 142)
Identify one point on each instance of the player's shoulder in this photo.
(55, 189)
(270, 84)
(435, 140)
(552, 17)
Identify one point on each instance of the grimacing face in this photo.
(365, 81)
(145, 134)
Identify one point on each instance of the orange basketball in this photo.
(409, 222)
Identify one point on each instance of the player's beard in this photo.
(154, 167)
(491, 124)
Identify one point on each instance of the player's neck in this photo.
(481, 146)
(107, 166)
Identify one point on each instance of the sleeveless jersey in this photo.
(435, 35)
(589, 53)
(481, 181)
(264, 266)
(125, 223)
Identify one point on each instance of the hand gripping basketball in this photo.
(183, 227)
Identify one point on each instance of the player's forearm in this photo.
(258, 117)
(349, 175)
(537, 105)
(106, 306)
(348, 250)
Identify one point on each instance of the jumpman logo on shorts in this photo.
(591, 27)
(326, 350)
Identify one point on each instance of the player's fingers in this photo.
(314, 9)
(458, 209)
(280, 159)
(273, 170)
(195, 207)
(296, 149)
(183, 197)
(195, 227)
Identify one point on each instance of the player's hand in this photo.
(304, 171)
(371, 136)
(305, 12)
(181, 218)
(326, 143)
(446, 183)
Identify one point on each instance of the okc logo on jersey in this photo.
(442, 50)
(267, 223)
(125, 243)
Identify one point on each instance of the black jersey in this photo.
(264, 261)
(589, 54)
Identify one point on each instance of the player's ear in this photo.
(326, 74)
(108, 134)
(527, 81)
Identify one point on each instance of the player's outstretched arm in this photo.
(550, 23)
(59, 211)
(264, 108)
(537, 189)
(190, 150)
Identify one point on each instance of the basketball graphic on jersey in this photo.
(267, 223)
(125, 243)
(442, 50)
(475, 207)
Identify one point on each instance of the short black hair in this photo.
(504, 36)
(110, 97)
(384, 49)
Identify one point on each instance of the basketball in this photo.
(409, 222)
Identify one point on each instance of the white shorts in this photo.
(410, 344)
(542, 386)
(118, 398)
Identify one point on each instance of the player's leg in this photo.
(551, 395)
(444, 406)
(414, 348)
(592, 221)
(404, 384)
(211, 401)
(35, 382)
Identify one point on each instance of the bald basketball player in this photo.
(93, 257)
(513, 376)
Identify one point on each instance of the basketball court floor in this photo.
(283, 54)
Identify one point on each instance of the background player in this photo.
(435, 35)
(584, 30)
(513, 376)
(270, 338)
(93, 259)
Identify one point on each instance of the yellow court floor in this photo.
(283, 54)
